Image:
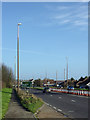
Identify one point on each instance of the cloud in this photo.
(80, 23)
(75, 15)
(64, 22)
(28, 52)
(61, 16)
(22, 51)
(62, 8)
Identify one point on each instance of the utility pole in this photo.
(67, 71)
(46, 74)
(15, 70)
(56, 77)
(64, 74)
(46, 78)
(18, 57)
(64, 77)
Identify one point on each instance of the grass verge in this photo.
(39, 88)
(6, 96)
(81, 89)
(29, 101)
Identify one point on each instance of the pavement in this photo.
(16, 110)
(48, 112)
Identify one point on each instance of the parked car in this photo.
(70, 88)
(84, 87)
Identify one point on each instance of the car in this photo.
(45, 89)
(70, 88)
(82, 87)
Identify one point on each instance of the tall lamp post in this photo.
(67, 70)
(18, 57)
(64, 77)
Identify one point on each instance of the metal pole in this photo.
(64, 77)
(67, 71)
(15, 71)
(64, 74)
(56, 77)
(18, 58)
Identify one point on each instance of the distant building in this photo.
(88, 85)
(48, 82)
(27, 83)
(84, 83)
(59, 83)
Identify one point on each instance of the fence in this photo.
(75, 92)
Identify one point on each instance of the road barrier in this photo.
(75, 92)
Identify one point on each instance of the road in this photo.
(73, 106)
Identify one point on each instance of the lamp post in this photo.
(56, 77)
(18, 57)
(67, 70)
(64, 77)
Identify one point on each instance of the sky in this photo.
(49, 33)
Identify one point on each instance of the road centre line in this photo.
(60, 97)
(70, 111)
(73, 100)
(59, 110)
(46, 103)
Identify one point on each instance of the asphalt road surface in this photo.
(73, 106)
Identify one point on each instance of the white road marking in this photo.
(50, 95)
(54, 107)
(47, 104)
(50, 105)
(70, 111)
(60, 97)
(73, 100)
(59, 110)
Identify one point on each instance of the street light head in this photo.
(19, 23)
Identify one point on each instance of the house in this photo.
(27, 83)
(84, 83)
(59, 83)
(88, 85)
(48, 82)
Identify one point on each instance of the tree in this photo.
(38, 83)
(7, 76)
(72, 79)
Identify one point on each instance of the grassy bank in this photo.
(81, 89)
(39, 88)
(29, 101)
(6, 95)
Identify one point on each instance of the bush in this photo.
(29, 101)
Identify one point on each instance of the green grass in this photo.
(40, 88)
(80, 89)
(30, 101)
(6, 95)
(32, 106)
